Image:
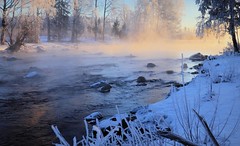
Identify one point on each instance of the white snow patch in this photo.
(31, 74)
(95, 115)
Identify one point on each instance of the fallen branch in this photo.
(206, 127)
(177, 138)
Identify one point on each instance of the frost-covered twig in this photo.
(177, 138)
(206, 127)
(59, 136)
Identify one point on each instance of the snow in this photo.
(98, 84)
(93, 116)
(31, 74)
(206, 97)
(218, 102)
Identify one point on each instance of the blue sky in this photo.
(190, 13)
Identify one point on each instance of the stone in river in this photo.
(151, 65)
(141, 79)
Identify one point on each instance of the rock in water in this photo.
(141, 79)
(106, 88)
(169, 71)
(174, 83)
(185, 66)
(151, 65)
(93, 116)
(198, 57)
(141, 84)
(195, 73)
(178, 85)
(36, 69)
(198, 66)
(9, 58)
(31, 74)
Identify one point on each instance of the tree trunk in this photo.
(48, 28)
(37, 28)
(235, 44)
(4, 26)
(59, 33)
(19, 42)
(73, 39)
(232, 26)
(104, 19)
(96, 21)
(16, 46)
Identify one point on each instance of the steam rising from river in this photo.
(153, 47)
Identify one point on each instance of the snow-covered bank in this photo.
(214, 94)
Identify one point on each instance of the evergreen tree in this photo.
(221, 16)
(61, 18)
(115, 28)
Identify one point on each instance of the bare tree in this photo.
(6, 7)
(75, 17)
(125, 13)
(50, 12)
(12, 25)
(25, 28)
(96, 20)
(158, 16)
(38, 9)
(106, 11)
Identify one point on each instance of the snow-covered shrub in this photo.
(125, 133)
(225, 75)
(228, 74)
(229, 50)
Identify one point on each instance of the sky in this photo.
(190, 12)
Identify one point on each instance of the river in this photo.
(60, 93)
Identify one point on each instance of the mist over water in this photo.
(61, 94)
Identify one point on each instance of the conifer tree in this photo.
(220, 16)
(61, 18)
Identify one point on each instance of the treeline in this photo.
(27, 20)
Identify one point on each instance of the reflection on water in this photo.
(61, 94)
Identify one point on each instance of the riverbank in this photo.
(214, 94)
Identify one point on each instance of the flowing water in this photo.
(60, 93)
